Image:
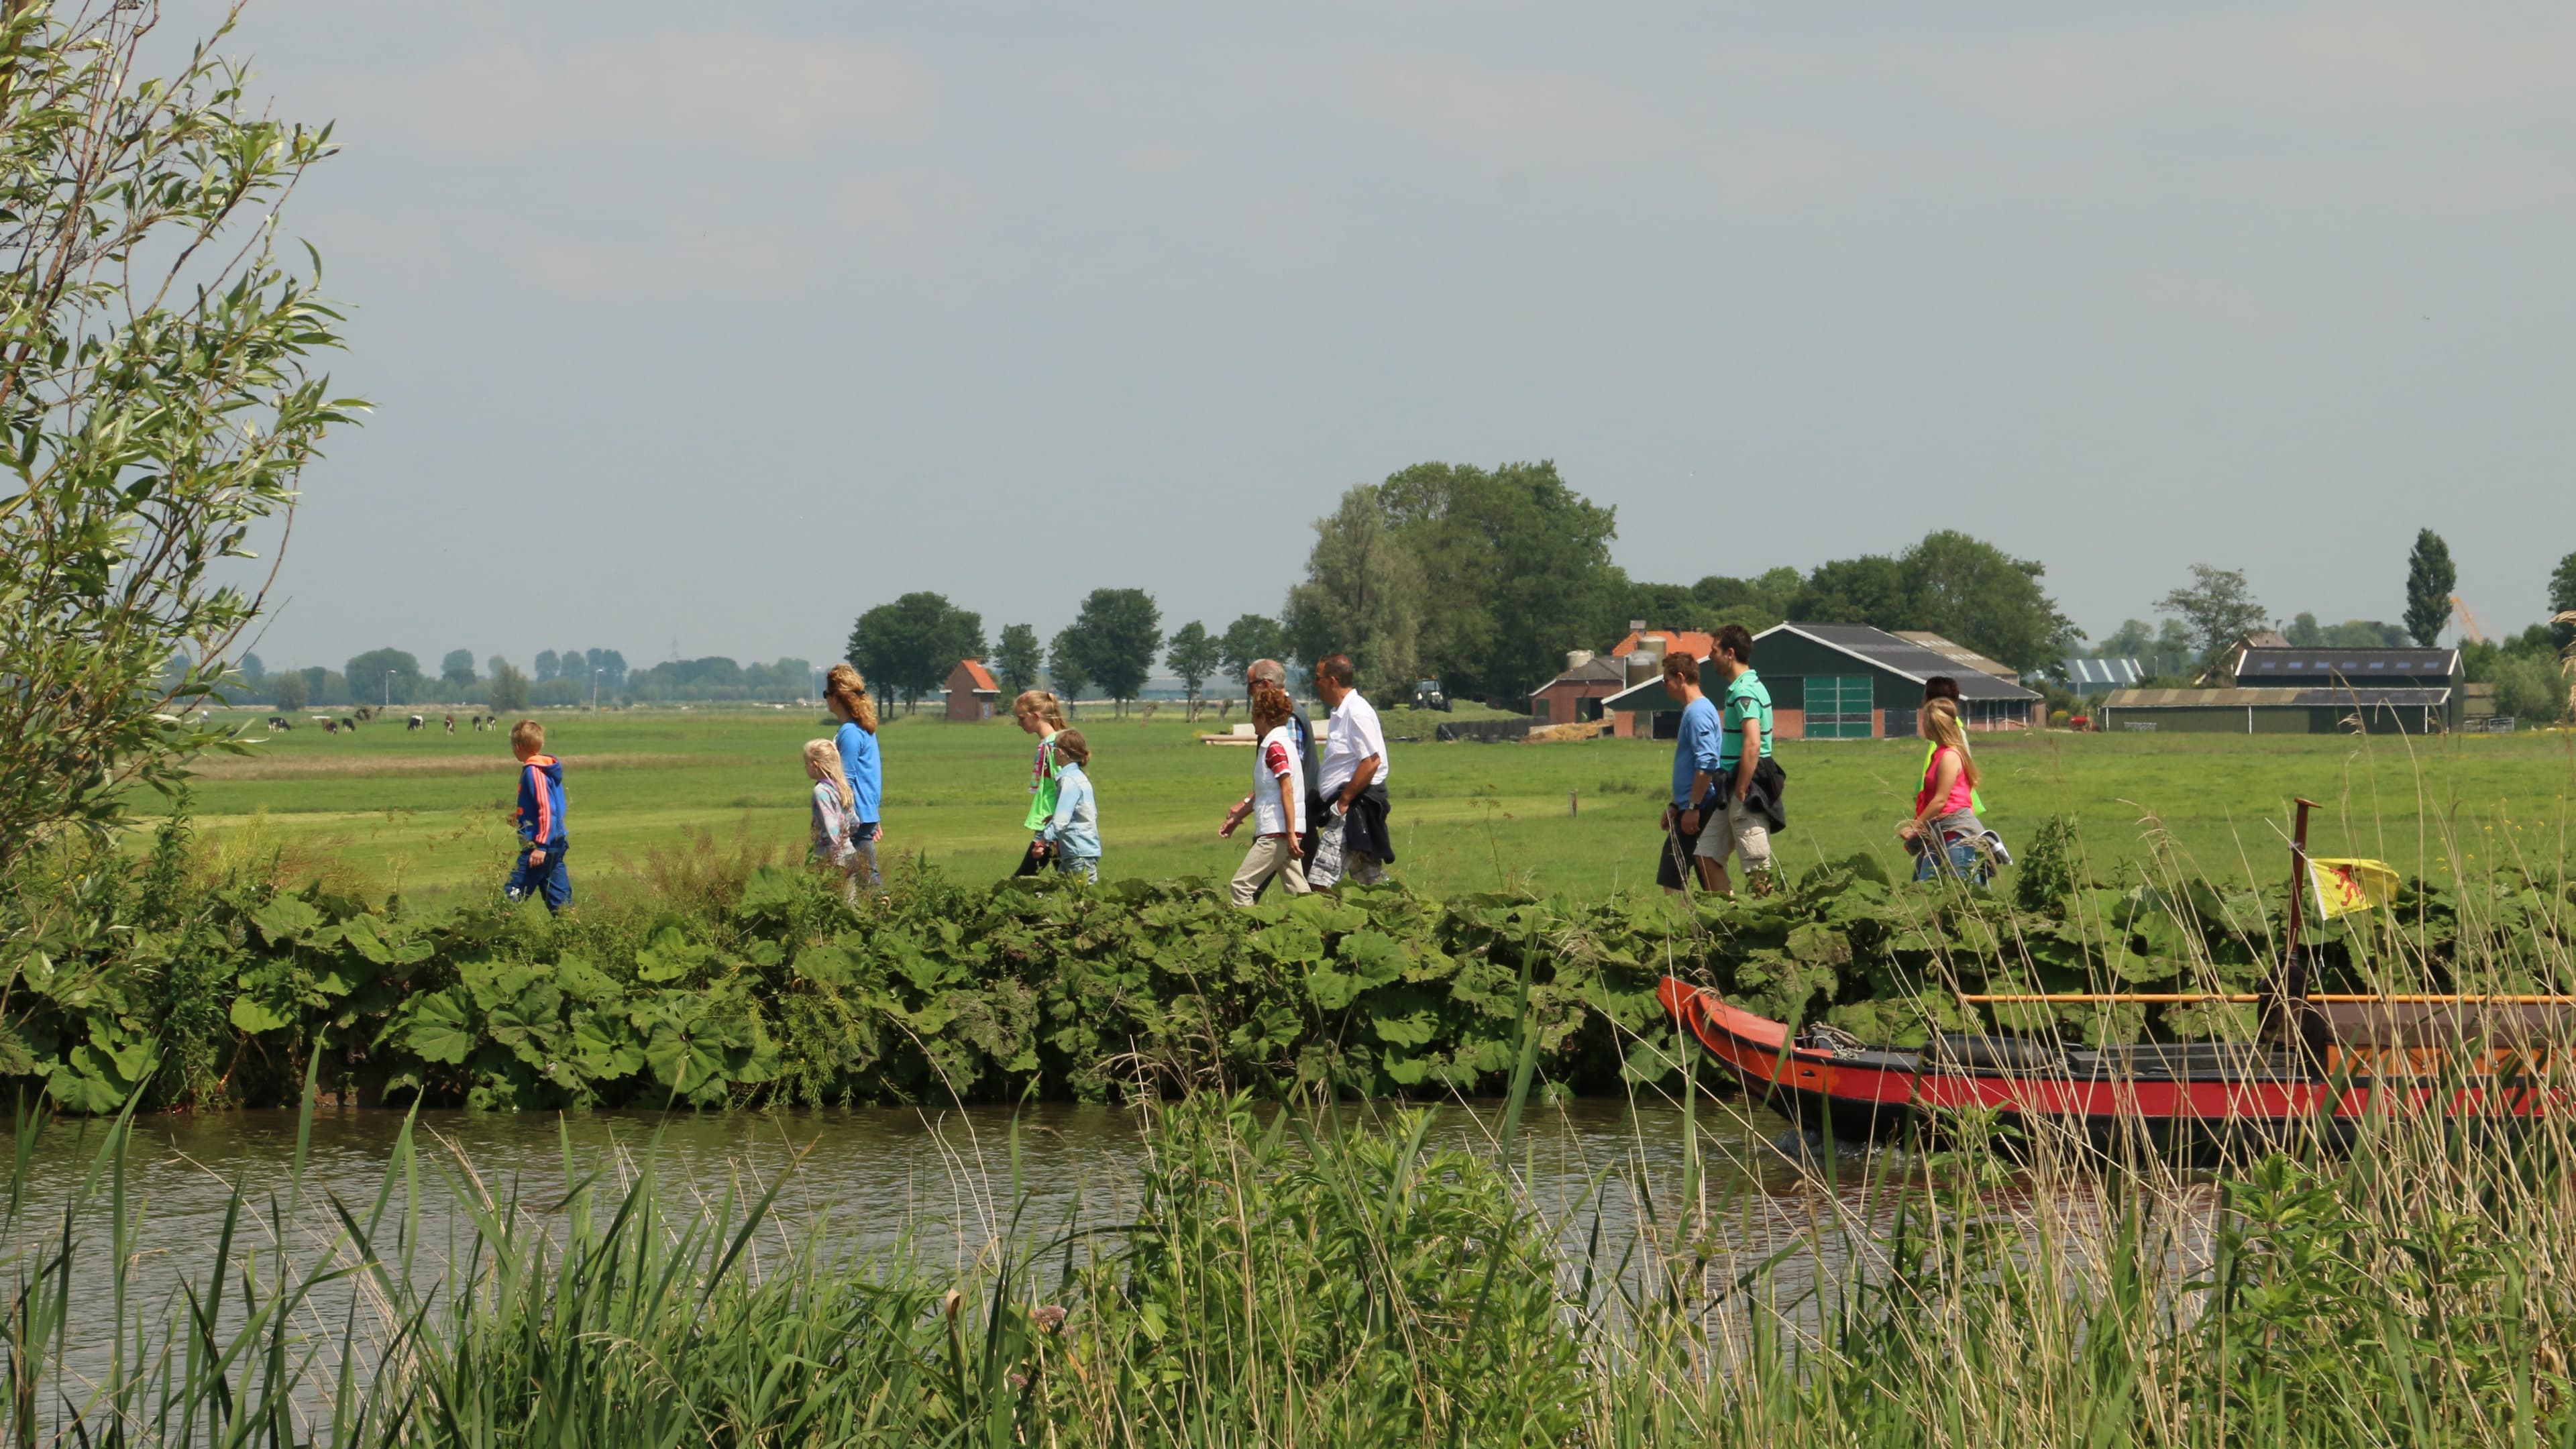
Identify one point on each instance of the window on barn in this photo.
(1838, 707)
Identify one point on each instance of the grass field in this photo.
(428, 813)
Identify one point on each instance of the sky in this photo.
(700, 329)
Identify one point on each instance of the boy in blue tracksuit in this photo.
(541, 820)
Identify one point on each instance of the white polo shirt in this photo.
(1352, 735)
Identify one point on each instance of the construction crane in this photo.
(2468, 621)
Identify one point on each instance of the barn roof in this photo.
(2102, 671)
(1959, 654)
(2359, 666)
(2406, 697)
(1595, 670)
(1901, 657)
(979, 680)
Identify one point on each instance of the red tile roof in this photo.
(978, 678)
(1697, 644)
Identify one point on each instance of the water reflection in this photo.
(946, 1186)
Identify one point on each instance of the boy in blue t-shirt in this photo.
(1696, 762)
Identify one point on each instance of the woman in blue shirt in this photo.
(846, 695)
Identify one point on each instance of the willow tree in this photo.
(158, 399)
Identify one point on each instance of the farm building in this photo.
(2100, 676)
(1850, 682)
(2277, 711)
(2281, 690)
(972, 691)
(1576, 695)
(1958, 654)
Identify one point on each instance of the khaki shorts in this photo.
(1737, 828)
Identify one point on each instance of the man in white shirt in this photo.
(1353, 779)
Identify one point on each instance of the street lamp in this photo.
(389, 689)
(594, 689)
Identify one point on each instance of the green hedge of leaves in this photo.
(208, 994)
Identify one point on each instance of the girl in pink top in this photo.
(1945, 825)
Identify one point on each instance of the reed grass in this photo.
(1295, 1275)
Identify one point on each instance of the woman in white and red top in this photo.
(1277, 806)
(1945, 827)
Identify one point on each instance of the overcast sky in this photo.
(706, 327)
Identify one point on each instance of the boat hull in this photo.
(2165, 1095)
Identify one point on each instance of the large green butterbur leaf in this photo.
(438, 1026)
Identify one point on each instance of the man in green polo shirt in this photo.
(1744, 728)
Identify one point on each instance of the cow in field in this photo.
(278, 723)
(451, 724)
(416, 725)
(330, 726)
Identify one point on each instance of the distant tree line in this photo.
(556, 677)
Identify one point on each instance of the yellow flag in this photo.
(2342, 887)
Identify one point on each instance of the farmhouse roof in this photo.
(2277, 697)
(1591, 671)
(1901, 657)
(1666, 641)
(2102, 671)
(1959, 654)
(2359, 666)
(978, 678)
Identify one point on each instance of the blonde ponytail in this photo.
(825, 756)
(844, 687)
(1040, 705)
(1941, 725)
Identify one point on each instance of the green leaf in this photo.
(1374, 957)
(1291, 940)
(255, 1016)
(439, 1028)
(605, 1046)
(286, 919)
(361, 934)
(669, 957)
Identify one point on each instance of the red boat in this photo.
(2469, 1057)
(2326, 1061)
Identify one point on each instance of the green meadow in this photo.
(428, 814)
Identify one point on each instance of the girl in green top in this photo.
(1040, 714)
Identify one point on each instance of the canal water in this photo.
(943, 1187)
(945, 1178)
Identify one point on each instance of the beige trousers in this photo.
(1270, 855)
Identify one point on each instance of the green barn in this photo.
(1853, 682)
(2282, 690)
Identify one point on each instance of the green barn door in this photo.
(1838, 707)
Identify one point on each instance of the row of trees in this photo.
(395, 677)
(1482, 578)
(1485, 578)
(907, 648)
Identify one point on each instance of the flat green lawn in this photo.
(429, 813)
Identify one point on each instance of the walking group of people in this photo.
(1319, 812)
(1318, 816)
(1721, 808)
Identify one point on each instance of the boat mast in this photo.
(2287, 1010)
